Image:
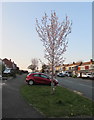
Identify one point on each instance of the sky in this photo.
(20, 41)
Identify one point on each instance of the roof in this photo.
(9, 63)
(73, 64)
(87, 63)
(78, 63)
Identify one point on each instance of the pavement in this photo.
(13, 104)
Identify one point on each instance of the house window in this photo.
(69, 68)
(82, 68)
(86, 67)
(76, 67)
(91, 67)
(72, 68)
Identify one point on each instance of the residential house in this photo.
(86, 67)
(73, 68)
(9, 64)
(58, 68)
(65, 67)
(77, 67)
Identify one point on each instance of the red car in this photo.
(39, 78)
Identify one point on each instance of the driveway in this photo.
(82, 86)
(13, 105)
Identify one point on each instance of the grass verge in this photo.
(63, 103)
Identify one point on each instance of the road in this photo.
(81, 86)
(13, 105)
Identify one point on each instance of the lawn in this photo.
(63, 103)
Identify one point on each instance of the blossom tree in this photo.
(54, 34)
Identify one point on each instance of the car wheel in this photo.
(30, 82)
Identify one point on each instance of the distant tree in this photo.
(45, 68)
(34, 64)
(53, 34)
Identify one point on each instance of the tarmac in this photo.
(13, 104)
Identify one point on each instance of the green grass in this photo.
(63, 103)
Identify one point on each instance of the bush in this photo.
(74, 76)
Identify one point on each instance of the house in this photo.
(71, 68)
(86, 67)
(58, 68)
(9, 65)
(76, 68)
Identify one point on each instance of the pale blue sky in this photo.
(20, 39)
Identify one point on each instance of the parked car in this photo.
(40, 78)
(9, 72)
(88, 75)
(66, 73)
(6, 71)
(61, 75)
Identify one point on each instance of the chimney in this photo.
(73, 62)
(91, 60)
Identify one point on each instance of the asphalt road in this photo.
(13, 105)
(81, 86)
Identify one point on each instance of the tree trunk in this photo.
(52, 83)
